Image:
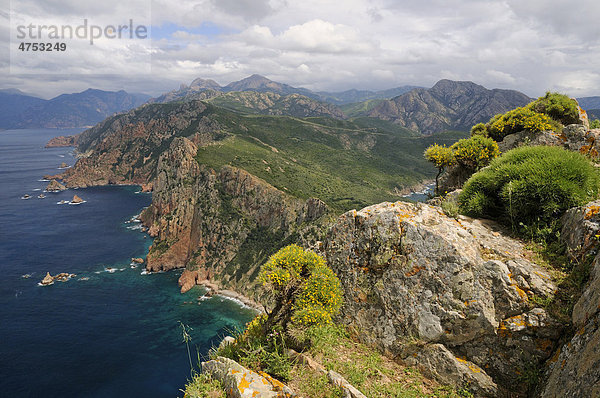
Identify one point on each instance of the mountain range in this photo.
(261, 84)
(448, 105)
(20, 110)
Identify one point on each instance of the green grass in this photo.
(203, 386)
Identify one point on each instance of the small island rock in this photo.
(48, 279)
(63, 165)
(76, 199)
(55, 186)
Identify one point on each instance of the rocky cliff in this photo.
(124, 149)
(222, 224)
(453, 296)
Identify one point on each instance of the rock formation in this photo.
(62, 141)
(459, 287)
(76, 199)
(48, 279)
(55, 186)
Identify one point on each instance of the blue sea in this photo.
(99, 334)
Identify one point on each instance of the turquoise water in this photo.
(115, 334)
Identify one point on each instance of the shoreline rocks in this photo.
(55, 186)
(62, 141)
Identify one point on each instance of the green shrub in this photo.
(520, 119)
(558, 106)
(595, 124)
(475, 152)
(305, 290)
(479, 129)
(530, 188)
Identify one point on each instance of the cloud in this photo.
(531, 46)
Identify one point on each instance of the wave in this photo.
(74, 204)
(43, 180)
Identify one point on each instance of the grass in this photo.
(203, 386)
(366, 369)
(332, 346)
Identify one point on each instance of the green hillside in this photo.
(347, 164)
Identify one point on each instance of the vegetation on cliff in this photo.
(529, 188)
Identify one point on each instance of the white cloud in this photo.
(529, 45)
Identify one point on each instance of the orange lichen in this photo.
(243, 384)
(414, 271)
(474, 368)
(591, 211)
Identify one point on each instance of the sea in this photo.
(110, 331)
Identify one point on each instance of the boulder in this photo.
(55, 186)
(240, 382)
(63, 165)
(410, 272)
(137, 260)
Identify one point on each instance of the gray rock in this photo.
(240, 382)
(437, 361)
(348, 389)
(521, 138)
(580, 225)
(408, 270)
(574, 371)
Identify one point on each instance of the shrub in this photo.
(519, 119)
(530, 188)
(305, 289)
(475, 152)
(558, 106)
(479, 129)
(595, 124)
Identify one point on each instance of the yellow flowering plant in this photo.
(306, 292)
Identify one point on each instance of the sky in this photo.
(527, 45)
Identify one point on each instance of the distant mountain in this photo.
(589, 102)
(12, 103)
(354, 96)
(448, 105)
(67, 110)
(269, 103)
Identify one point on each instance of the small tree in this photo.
(305, 290)
(442, 157)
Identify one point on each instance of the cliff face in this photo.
(454, 296)
(222, 223)
(125, 149)
(575, 369)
